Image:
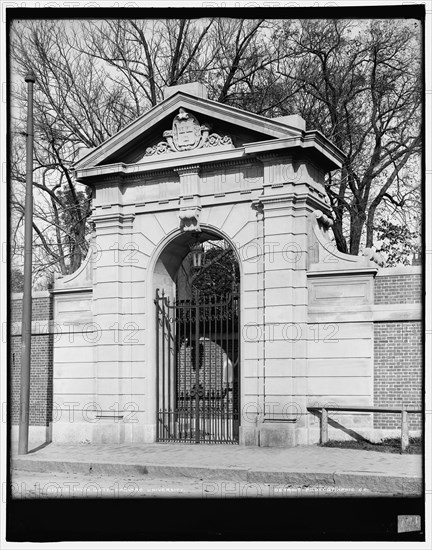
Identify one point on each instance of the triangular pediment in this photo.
(183, 124)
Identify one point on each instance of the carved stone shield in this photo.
(186, 134)
(186, 131)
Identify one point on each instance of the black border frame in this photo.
(233, 519)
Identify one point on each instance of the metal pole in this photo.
(27, 296)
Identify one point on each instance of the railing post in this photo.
(324, 426)
(404, 430)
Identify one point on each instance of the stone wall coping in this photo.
(400, 270)
(43, 327)
(366, 313)
(68, 290)
(355, 270)
(35, 294)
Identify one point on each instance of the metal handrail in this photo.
(366, 409)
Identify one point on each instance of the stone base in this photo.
(249, 436)
(72, 432)
(103, 432)
(302, 436)
(38, 435)
(277, 434)
(107, 431)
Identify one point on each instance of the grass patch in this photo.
(390, 445)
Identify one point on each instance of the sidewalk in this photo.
(306, 465)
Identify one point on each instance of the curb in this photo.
(352, 481)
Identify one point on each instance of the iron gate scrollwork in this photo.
(197, 355)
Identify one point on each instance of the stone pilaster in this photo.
(290, 194)
(190, 199)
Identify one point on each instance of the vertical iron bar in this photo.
(157, 363)
(217, 351)
(227, 401)
(175, 361)
(183, 371)
(238, 372)
(188, 370)
(163, 363)
(197, 321)
(232, 311)
(169, 327)
(216, 374)
(219, 378)
(203, 367)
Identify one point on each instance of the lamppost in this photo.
(27, 294)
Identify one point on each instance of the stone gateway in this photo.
(307, 314)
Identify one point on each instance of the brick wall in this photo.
(398, 289)
(41, 373)
(398, 360)
(210, 362)
(398, 370)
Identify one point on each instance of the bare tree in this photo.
(73, 108)
(146, 56)
(361, 87)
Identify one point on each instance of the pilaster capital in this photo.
(115, 219)
(187, 170)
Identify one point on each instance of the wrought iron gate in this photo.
(197, 356)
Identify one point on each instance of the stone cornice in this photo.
(330, 157)
(312, 140)
(165, 164)
(171, 163)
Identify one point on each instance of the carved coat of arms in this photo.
(186, 134)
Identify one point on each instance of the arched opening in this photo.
(196, 287)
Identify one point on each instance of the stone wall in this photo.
(397, 355)
(365, 346)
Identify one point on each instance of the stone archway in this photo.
(254, 181)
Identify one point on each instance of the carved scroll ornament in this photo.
(187, 134)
